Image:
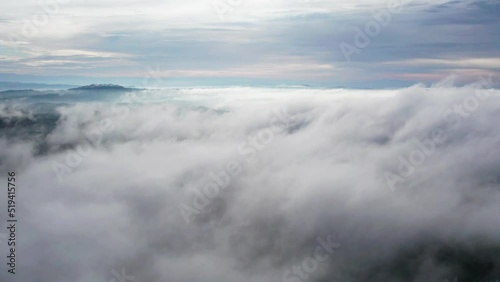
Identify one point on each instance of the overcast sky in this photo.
(293, 41)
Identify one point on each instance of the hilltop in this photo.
(100, 87)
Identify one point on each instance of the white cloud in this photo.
(323, 174)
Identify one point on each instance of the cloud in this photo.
(322, 174)
(189, 39)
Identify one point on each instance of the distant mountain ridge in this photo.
(6, 85)
(5, 93)
(100, 87)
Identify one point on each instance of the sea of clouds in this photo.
(254, 184)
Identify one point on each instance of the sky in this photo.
(367, 43)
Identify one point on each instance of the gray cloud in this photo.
(323, 174)
(258, 40)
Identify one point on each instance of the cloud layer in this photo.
(135, 158)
